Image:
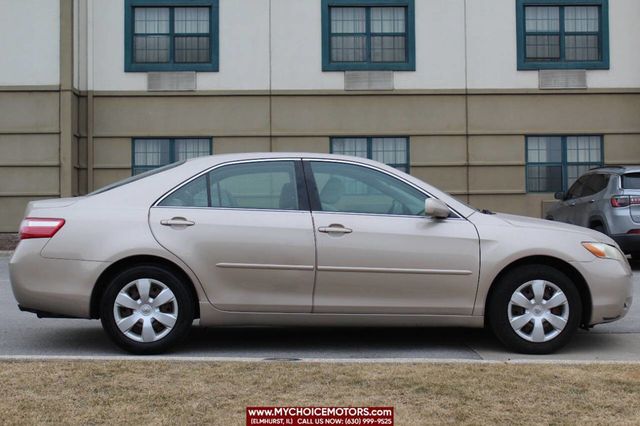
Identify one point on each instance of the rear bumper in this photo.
(52, 287)
(611, 286)
(628, 243)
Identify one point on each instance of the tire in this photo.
(164, 316)
(525, 336)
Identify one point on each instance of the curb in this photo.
(310, 360)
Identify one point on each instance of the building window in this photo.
(151, 153)
(368, 35)
(171, 35)
(569, 34)
(393, 152)
(555, 162)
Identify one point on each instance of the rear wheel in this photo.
(146, 309)
(535, 309)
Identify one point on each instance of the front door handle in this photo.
(177, 221)
(335, 229)
(592, 201)
(572, 204)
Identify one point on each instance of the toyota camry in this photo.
(308, 240)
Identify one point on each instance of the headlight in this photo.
(603, 251)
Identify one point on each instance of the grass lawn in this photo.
(139, 392)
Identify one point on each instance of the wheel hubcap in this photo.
(145, 310)
(538, 311)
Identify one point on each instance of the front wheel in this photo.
(146, 309)
(535, 309)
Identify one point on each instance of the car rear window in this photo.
(136, 178)
(631, 181)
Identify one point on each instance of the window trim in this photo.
(301, 186)
(172, 141)
(524, 65)
(369, 139)
(214, 30)
(563, 163)
(409, 65)
(314, 194)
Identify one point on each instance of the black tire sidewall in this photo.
(183, 297)
(507, 285)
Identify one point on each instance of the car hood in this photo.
(549, 225)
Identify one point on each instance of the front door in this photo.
(378, 253)
(245, 230)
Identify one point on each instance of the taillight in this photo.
(36, 227)
(625, 200)
(633, 231)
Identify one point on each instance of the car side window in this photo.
(256, 185)
(193, 194)
(351, 188)
(576, 189)
(594, 184)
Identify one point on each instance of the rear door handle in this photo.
(177, 221)
(335, 229)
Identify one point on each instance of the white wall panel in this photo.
(29, 42)
(244, 48)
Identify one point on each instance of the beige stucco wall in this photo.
(485, 166)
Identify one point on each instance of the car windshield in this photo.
(631, 181)
(134, 178)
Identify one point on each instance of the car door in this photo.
(245, 230)
(566, 211)
(586, 204)
(377, 253)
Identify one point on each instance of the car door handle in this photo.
(335, 229)
(592, 201)
(572, 204)
(177, 221)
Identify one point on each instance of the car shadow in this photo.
(339, 343)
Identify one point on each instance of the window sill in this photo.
(171, 67)
(369, 67)
(535, 66)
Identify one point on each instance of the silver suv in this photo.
(606, 199)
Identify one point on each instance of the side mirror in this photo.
(559, 195)
(435, 208)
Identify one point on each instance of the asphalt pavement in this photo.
(24, 335)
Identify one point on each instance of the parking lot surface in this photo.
(23, 334)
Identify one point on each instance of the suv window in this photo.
(355, 189)
(594, 184)
(631, 181)
(576, 189)
(258, 185)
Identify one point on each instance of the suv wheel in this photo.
(535, 309)
(146, 309)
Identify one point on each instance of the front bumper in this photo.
(611, 286)
(54, 286)
(628, 243)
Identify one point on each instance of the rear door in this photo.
(245, 229)
(587, 206)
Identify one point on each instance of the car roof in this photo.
(617, 170)
(143, 192)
